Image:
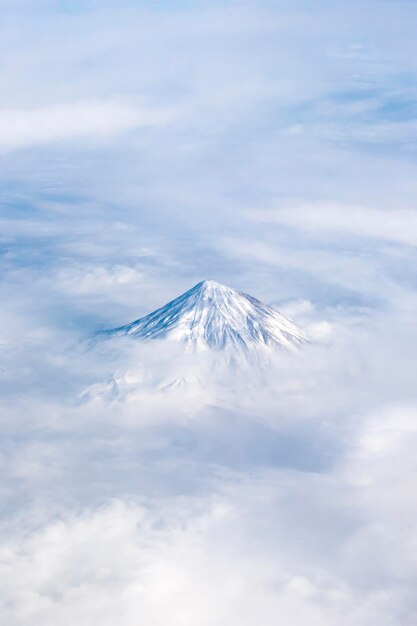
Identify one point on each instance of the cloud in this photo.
(399, 226)
(252, 497)
(341, 269)
(73, 121)
(140, 484)
(327, 547)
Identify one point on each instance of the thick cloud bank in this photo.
(282, 492)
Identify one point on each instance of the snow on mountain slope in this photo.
(211, 315)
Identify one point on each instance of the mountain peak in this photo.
(211, 283)
(211, 286)
(211, 315)
(211, 289)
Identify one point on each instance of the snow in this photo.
(213, 316)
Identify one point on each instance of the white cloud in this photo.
(304, 548)
(81, 120)
(285, 496)
(399, 225)
(341, 268)
(267, 502)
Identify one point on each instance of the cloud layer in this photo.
(145, 147)
(73, 121)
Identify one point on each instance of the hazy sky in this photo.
(145, 146)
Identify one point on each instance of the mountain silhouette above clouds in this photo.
(213, 316)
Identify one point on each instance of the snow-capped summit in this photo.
(211, 315)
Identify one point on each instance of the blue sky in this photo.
(145, 146)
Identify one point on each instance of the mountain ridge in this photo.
(213, 316)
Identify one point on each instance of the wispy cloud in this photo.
(74, 121)
(398, 226)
